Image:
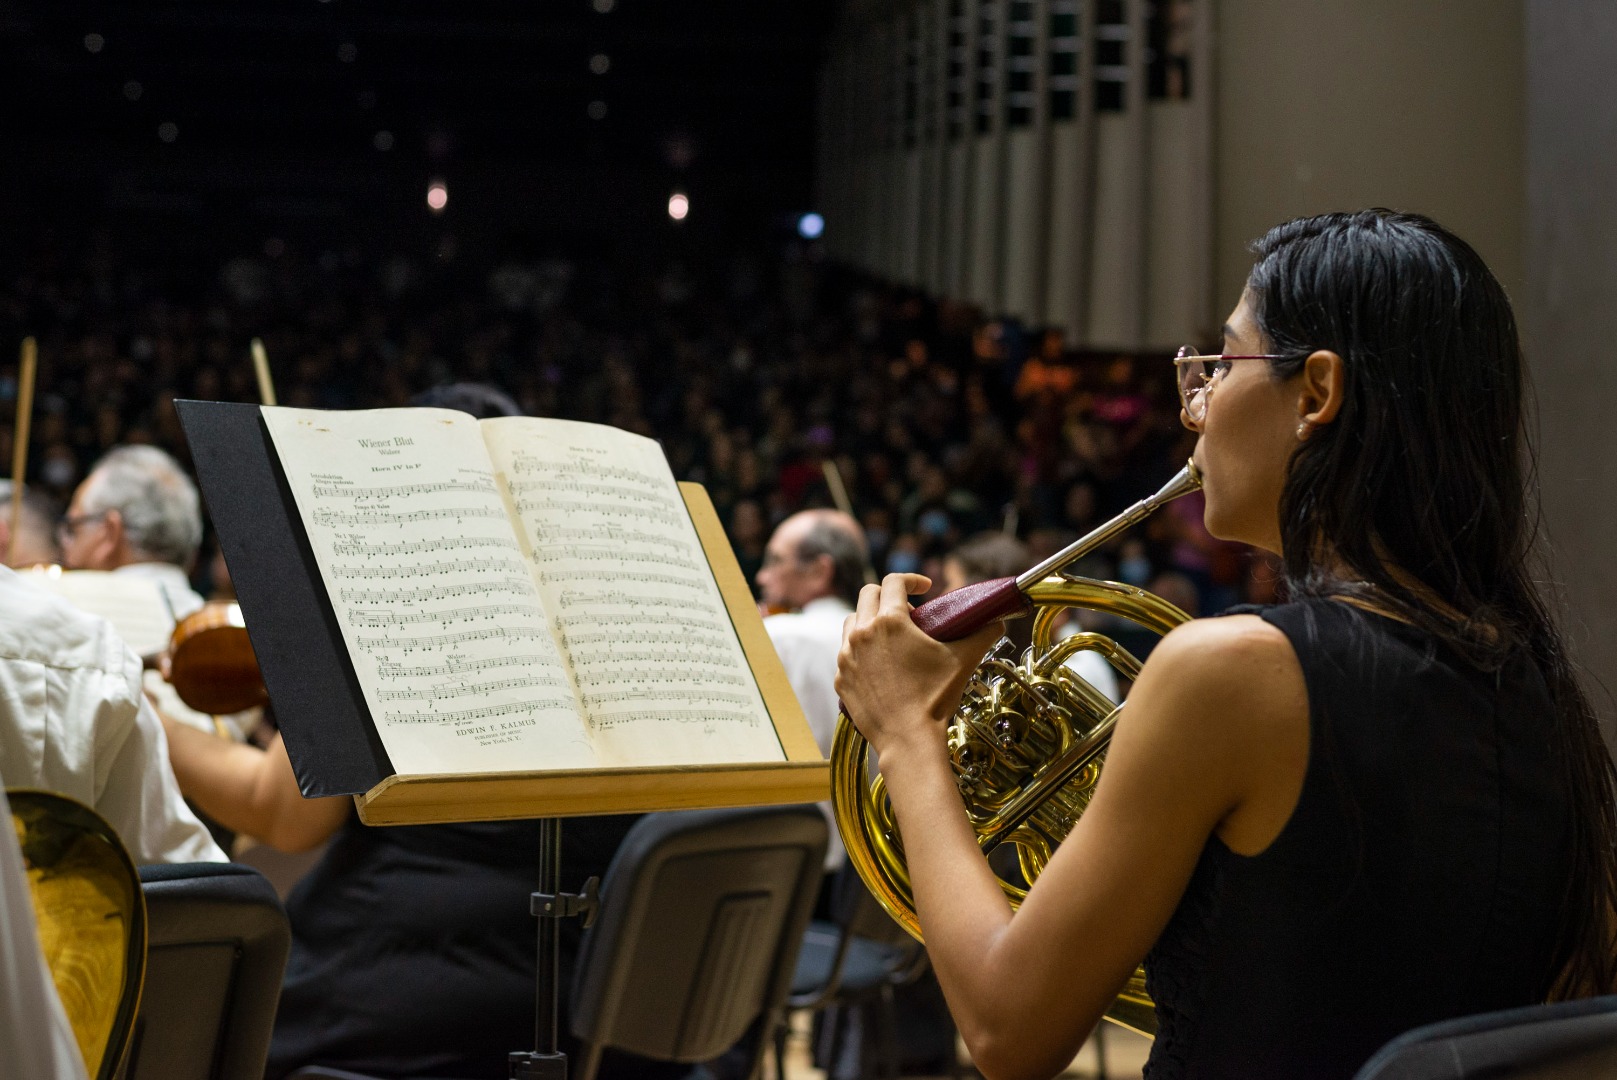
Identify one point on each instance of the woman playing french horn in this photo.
(1379, 804)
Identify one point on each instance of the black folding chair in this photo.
(692, 952)
(1569, 1040)
(216, 949)
(856, 962)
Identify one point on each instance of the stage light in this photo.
(600, 63)
(437, 196)
(810, 226)
(679, 206)
(168, 131)
(597, 110)
(133, 90)
(94, 42)
(383, 140)
(347, 52)
(604, 6)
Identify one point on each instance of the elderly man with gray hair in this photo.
(137, 512)
(814, 566)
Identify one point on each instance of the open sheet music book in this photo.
(521, 594)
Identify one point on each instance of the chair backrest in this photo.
(217, 944)
(1567, 1040)
(701, 915)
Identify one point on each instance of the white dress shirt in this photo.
(183, 600)
(807, 642)
(73, 720)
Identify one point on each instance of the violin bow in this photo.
(29, 362)
(266, 387)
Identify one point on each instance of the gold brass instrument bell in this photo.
(91, 916)
(1030, 735)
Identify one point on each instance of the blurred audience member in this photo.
(992, 555)
(36, 532)
(814, 567)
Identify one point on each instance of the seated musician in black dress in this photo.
(1381, 803)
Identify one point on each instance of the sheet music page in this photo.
(437, 606)
(133, 605)
(659, 669)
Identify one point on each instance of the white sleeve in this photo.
(34, 1030)
(136, 790)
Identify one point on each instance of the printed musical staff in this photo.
(334, 518)
(527, 465)
(677, 580)
(487, 712)
(355, 547)
(458, 665)
(507, 567)
(522, 587)
(461, 637)
(482, 485)
(446, 693)
(606, 508)
(378, 617)
(549, 534)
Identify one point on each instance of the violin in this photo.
(210, 661)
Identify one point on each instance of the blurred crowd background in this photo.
(754, 369)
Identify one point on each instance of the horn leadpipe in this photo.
(961, 613)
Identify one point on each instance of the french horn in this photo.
(1030, 735)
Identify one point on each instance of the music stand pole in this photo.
(550, 905)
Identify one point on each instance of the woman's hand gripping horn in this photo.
(902, 670)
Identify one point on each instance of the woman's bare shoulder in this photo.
(1235, 674)
(1217, 642)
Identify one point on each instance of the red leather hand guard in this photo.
(963, 612)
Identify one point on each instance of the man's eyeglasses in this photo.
(1199, 374)
(70, 524)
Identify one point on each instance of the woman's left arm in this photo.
(1204, 736)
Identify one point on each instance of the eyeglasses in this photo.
(1199, 374)
(70, 524)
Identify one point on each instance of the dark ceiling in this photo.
(336, 115)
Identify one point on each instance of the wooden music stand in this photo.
(332, 741)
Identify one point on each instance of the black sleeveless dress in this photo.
(1419, 878)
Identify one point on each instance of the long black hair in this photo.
(1417, 497)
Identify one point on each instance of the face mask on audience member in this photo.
(1136, 570)
(903, 562)
(57, 472)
